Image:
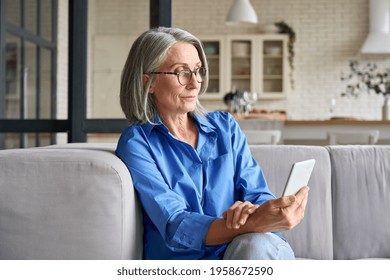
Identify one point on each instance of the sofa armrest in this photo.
(68, 202)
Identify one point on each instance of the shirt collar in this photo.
(203, 124)
(157, 122)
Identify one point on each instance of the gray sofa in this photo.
(76, 201)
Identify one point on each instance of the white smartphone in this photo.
(299, 176)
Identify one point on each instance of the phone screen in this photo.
(299, 176)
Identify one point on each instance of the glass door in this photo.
(241, 68)
(28, 91)
(214, 49)
(274, 66)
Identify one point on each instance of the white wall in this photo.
(112, 25)
(329, 34)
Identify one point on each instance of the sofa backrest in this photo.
(76, 201)
(312, 238)
(72, 201)
(361, 201)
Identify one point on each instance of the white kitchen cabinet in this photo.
(254, 63)
(215, 50)
(273, 78)
(242, 64)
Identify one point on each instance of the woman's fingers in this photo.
(238, 214)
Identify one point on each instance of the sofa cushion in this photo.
(312, 238)
(361, 201)
(67, 202)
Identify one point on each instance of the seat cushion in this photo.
(361, 201)
(312, 238)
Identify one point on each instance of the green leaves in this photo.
(366, 78)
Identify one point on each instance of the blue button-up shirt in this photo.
(182, 189)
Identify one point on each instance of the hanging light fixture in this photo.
(241, 12)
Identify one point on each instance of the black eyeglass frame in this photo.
(182, 72)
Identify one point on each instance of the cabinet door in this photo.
(214, 50)
(252, 63)
(273, 66)
(241, 63)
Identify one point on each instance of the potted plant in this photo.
(368, 78)
(284, 28)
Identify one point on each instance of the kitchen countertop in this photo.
(282, 116)
(299, 131)
(261, 116)
(314, 131)
(335, 122)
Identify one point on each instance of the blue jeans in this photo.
(258, 246)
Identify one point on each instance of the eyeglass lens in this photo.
(186, 75)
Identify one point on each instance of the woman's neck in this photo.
(182, 127)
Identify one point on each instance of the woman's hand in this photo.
(280, 214)
(274, 215)
(237, 215)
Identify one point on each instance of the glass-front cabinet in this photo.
(253, 63)
(274, 69)
(241, 63)
(214, 49)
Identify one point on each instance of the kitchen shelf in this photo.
(272, 77)
(241, 77)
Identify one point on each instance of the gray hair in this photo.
(146, 55)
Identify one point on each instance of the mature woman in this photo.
(203, 194)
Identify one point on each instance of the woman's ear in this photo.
(146, 78)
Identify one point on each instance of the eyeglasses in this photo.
(184, 76)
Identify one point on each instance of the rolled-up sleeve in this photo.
(182, 230)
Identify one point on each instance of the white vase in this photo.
(386, 109)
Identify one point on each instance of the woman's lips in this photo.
(189, 97)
